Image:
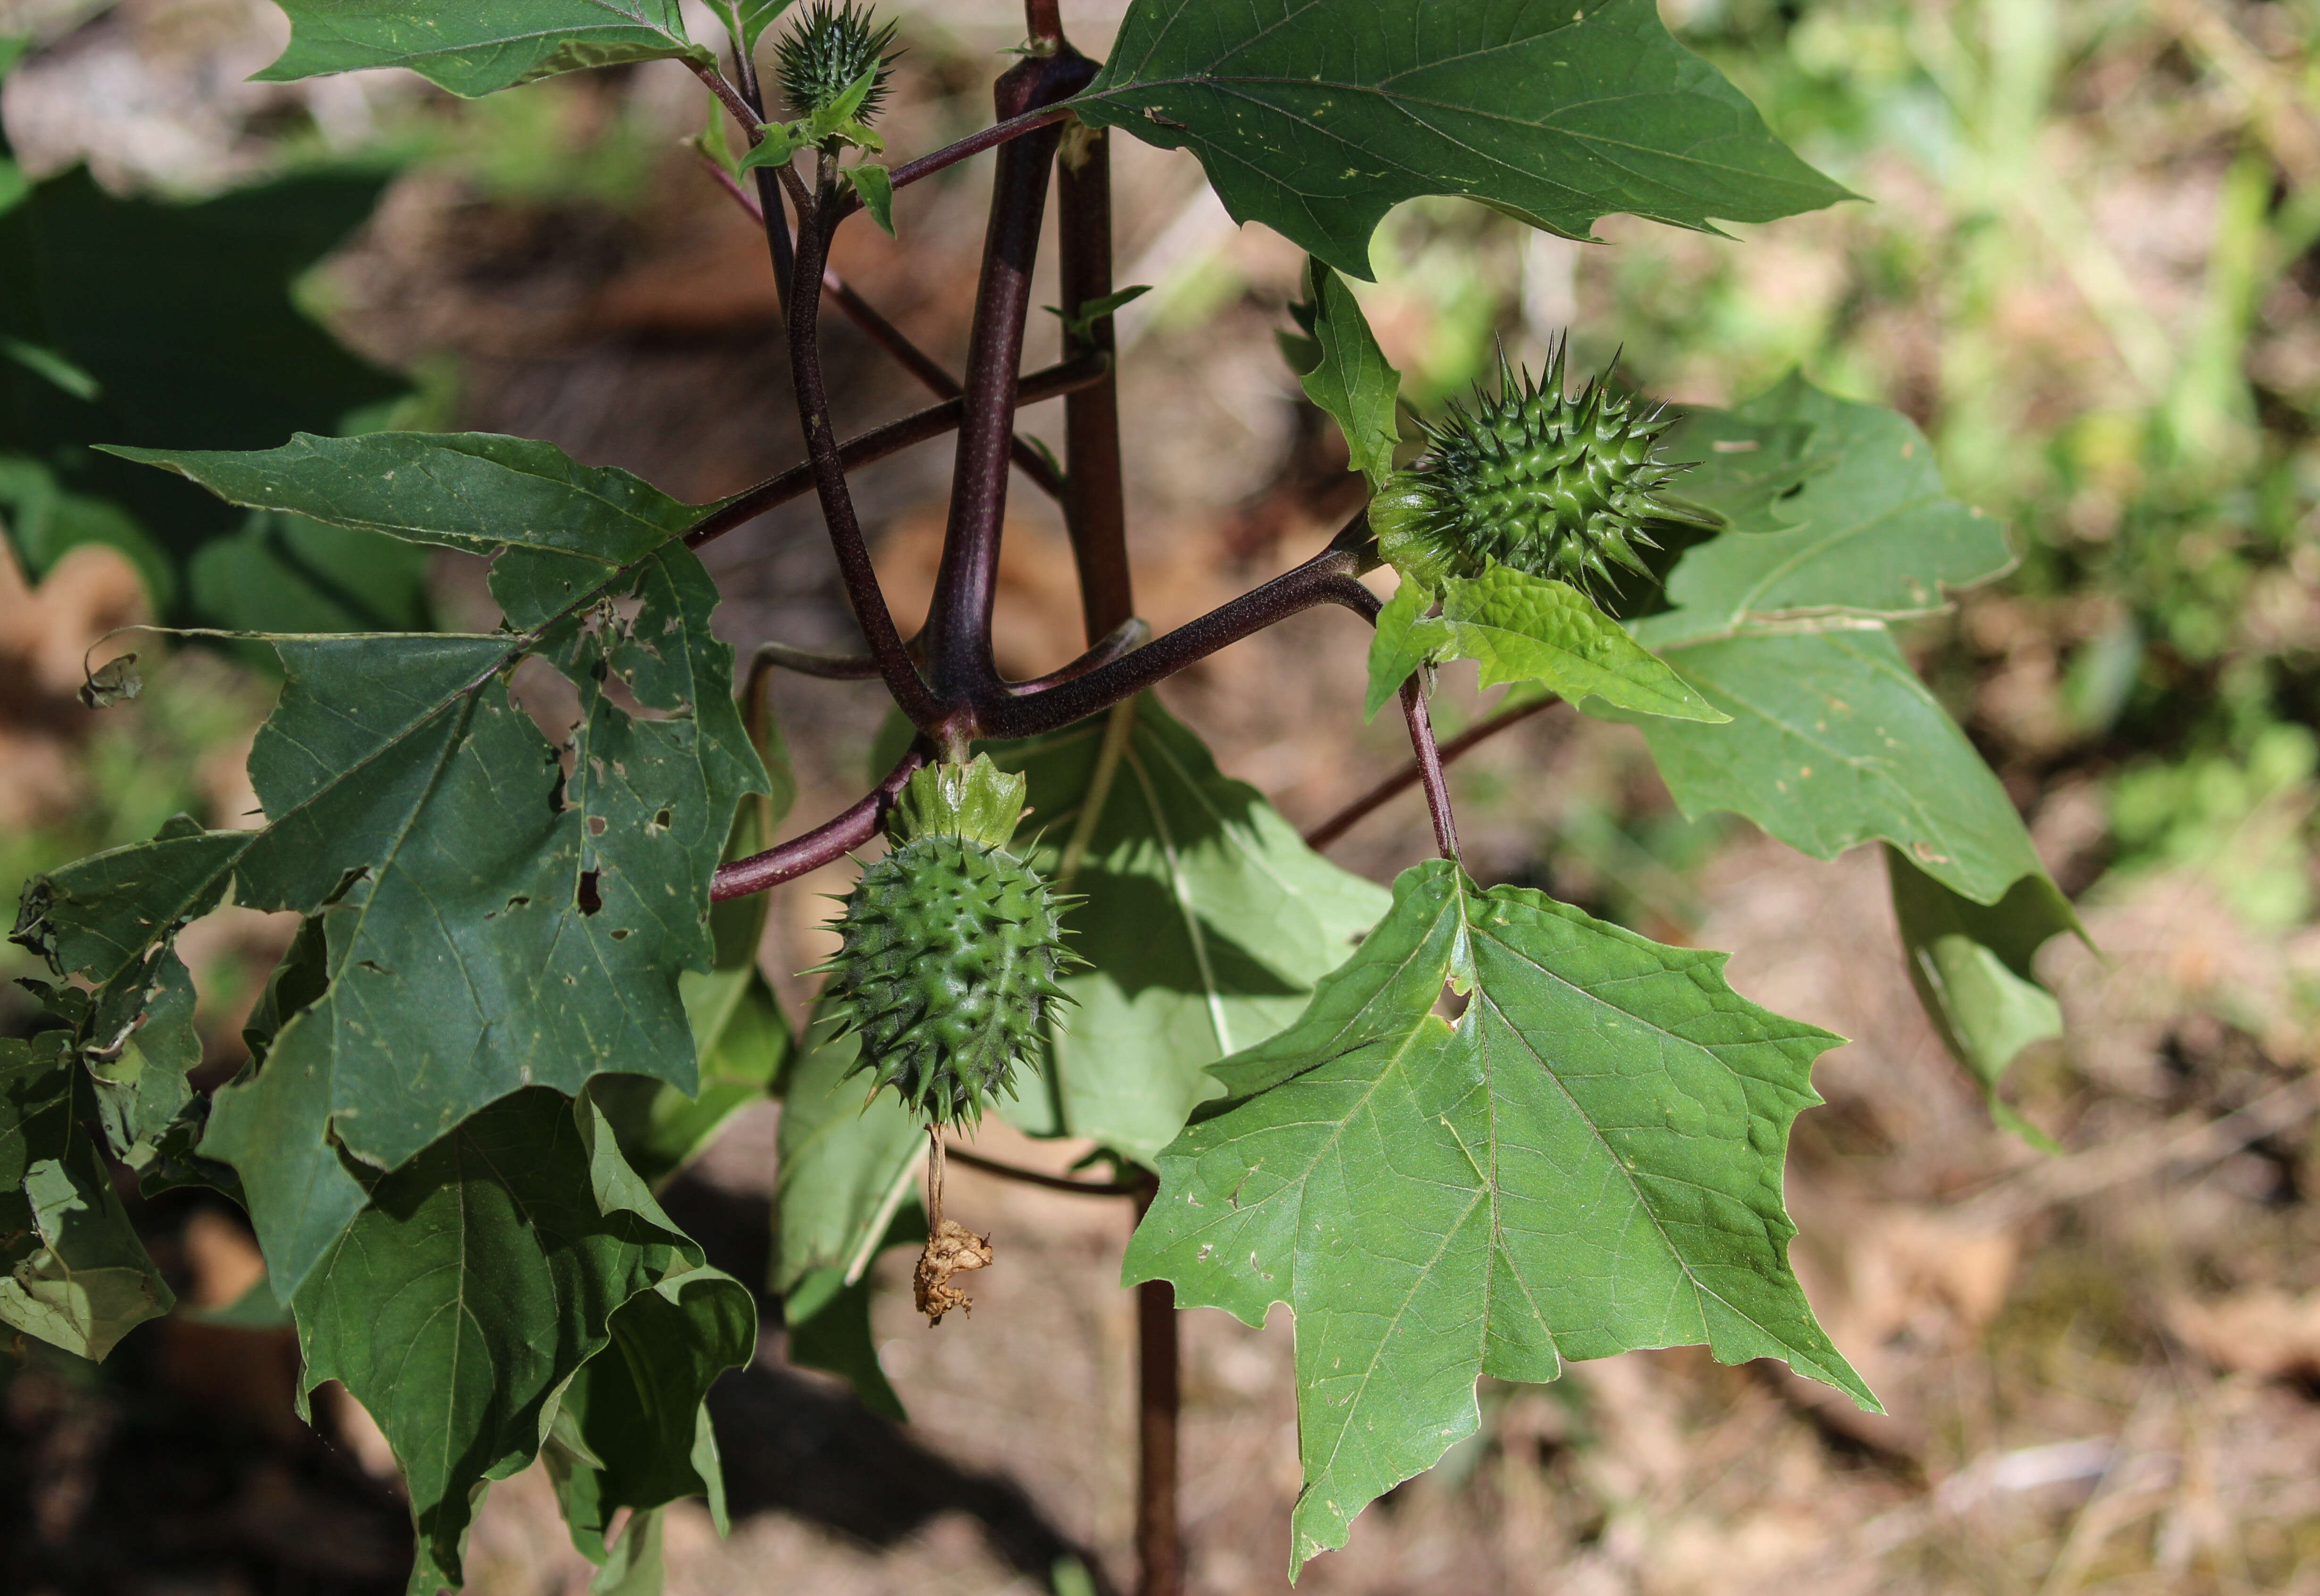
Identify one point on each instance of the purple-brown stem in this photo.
(1037, 1177)
(1095, 506)
(1327, 578)
(1116, 644)
(950, 155)
(1429, 765)
(861, 578)
(1043, 20)
(870, 320)
(958, 623)
(877, 444)
(1409, 774)
(830, 840)
(1159, 1407)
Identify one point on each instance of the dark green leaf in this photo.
(1317, 116)
(1205, 923)
(1587, 1162)
(72, 1272)
(559, 529)
(1972, 966)
(491, 922)
(473, 47)
(1348, 375)
(483, 1275)
(828, 1317)
(284, 573)
(629, 1430)
(1838, 512)
(1533, 629)
(180, 316)
(1834, 741)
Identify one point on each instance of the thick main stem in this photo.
(1159, 1411)
(1095, 506)
(861, 578)
(958, 623)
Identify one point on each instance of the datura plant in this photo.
(526, 990)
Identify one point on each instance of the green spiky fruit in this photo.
(952, 948)
(1558, 487)
(826, 51)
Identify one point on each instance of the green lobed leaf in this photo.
(630, 1430)
(1588, 1161)
(1318, 116)
(484, 1276)
(475, 47)
(559, 529)
(1205, 921)
(72, 1272)
(1345, 373)
(1972, 966)
(491, 922)
(1839, 512)
(1834, 741)
(1523, 627)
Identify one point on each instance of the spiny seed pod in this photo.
(952, 947)
(1558, 487)
(826, 52)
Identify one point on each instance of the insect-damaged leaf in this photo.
(480, 1278)
(490, 920)
(1317, 116)
(1834, 741)
(1837, 510)
(473, 47)
(72, 1272)
(1588, 1161)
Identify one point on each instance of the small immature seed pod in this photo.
(1558, 487)
(826, 53)
(952, 947)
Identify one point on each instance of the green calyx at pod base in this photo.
(830, 48)
(1557, 487)
(952, 947)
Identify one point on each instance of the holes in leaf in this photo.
(589, 899)
(660, 821)
(596, 827)
(620, 934)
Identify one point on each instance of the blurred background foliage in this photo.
(2086, 266)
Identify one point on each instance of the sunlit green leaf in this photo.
(1837, 510)
(1533, 629)
(1588, 1160)
(1317, 116)
(1834, 741)
(1970, 964)
(473, 47)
